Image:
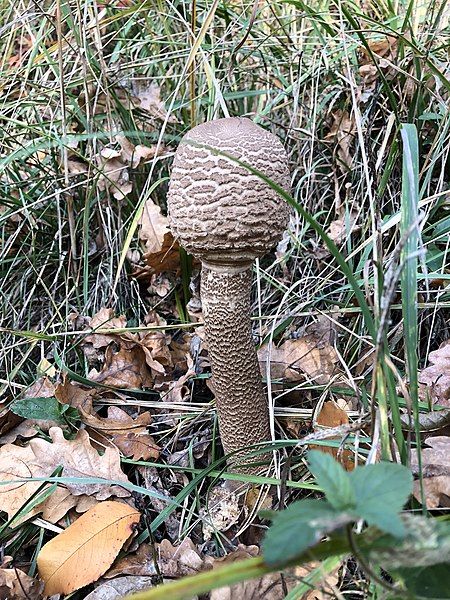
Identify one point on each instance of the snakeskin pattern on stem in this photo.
(241, 402)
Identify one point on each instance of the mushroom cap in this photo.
(219, 211)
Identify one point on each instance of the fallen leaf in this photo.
(434, 380)
(435, 472)
(79, 459)
(40, 458)
(8, 420)
(17, 585)
(312, 354)
(340, 229)
(114, 173)
(181, 560)
(173, 561)
(148, 98)
(104, 319)
(17, 462)
(120, 587)
(161, 249)
(138, 446)
(332, 416)
(342, 133)
(221, 513)
(132, 154)
(124, 368)
(66, 562)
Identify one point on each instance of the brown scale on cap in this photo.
(226, 216)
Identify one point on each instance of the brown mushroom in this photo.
(226, 216)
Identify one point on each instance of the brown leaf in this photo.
(40, 458)
(114, 175)
(435, 471)
(138, 446)
(139, 563)
(104, 319)
(434, 380)
(8, 420)
(161, 249)
(148, 98)
(79, 459)
(342, 132)
(17, 462)
(332, 416)
(132, 154)
(124, 369)
(17, 585)
(173, 561)
(436, 489)
(66, 562)
(311, 354)
(120, 587)
(341, 228)
(182, 560)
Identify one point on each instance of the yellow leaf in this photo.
(87, 548)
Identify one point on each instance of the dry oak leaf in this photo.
(434, 380)
(436, 472)
(128, 434)
(86, 549)
(17, 585)
(40, 458)
(332, 416)
(173, 561)
(104, 319)
(79, 459)
(340, 229)
(132, 154)
(114, 173)
(125, 369)
(120, 587)
(17, 462)
(161, 249)
(117, 421)
(148, 98)
(342, 132)
(312, 354)
(8, 421)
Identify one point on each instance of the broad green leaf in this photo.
(299, 527)
(385, 485)
(333, 479)
(431, 582)
(384, 519)
(40, 409)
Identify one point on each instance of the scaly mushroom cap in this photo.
(219, 211)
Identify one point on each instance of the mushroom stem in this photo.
(241, 403)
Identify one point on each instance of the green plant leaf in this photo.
(299, 527)
(386, 520)
(333, 479)
(427, 582)
(40, 409)
(381, 491)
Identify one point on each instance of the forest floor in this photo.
(104, 373)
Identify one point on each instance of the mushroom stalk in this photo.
(241, 403)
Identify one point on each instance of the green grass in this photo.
(68, 78)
